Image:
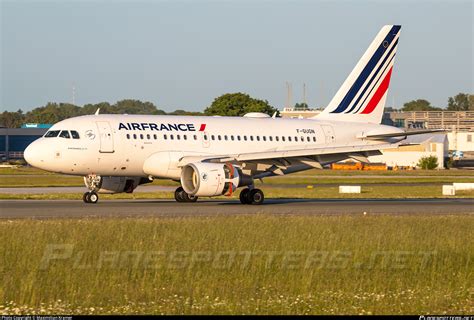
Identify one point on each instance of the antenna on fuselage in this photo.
(97, 112)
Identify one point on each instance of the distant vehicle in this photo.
(212, 156)
(457, 155)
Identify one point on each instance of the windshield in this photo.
(64, 134)
(51, 134)
(75, 134)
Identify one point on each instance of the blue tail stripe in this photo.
(376, 81)
(366, 71)
(373, 77)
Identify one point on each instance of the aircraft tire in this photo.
(256, 196)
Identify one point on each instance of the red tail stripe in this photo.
(203, 127)
(378, 94)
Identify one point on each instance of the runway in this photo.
(43, 209)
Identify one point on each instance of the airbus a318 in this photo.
(212, 156)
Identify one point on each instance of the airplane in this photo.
(213, 155)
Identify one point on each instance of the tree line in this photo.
(229, 104)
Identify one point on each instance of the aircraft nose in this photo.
(31, 154)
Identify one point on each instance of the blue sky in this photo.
(183, 54)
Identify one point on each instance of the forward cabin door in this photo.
(205, 139)
(329, 134)
(105, 136)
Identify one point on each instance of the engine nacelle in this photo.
(212, 179)
(113, 184)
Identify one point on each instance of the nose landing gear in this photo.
(90, 197)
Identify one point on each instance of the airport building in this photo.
(416, 147)
(13, 141)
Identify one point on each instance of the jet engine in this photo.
(113, 184)
(212, 179)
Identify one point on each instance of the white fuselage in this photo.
(119, 145)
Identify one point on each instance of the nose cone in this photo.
(32, 154)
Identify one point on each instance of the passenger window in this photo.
(155, 137)
(128, 136)
(296, 139)
(185, 137)
(264, 138)
(270, 138)
(165, 137)
(258, 138)
(302, 138)
(74, 134)
(171, 137)
(195, 137)
(238, 138)
(314, 139)
(178, 137)
(308, 139)
(134, 136)
(289, 138)
(276, 138)
(282, 138)
(251, 138)
(232, 138)
(205, 137)
(213, 137)
(64, 134)
(225, 137)
(51, 134)
(219, 137)
(245, 138)
(148, 137)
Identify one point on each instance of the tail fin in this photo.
(361, 98)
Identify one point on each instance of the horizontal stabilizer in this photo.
(400, 134)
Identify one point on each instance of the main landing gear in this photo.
(251, 196)
(90, 197)
(181, 196)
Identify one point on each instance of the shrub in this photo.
(428, 162)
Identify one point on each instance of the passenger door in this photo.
(206, 142)
(105, 136)
(329, 134)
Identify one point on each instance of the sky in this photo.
(184, 54)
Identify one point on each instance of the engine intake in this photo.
(212, 179)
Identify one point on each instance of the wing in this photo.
(280, 162)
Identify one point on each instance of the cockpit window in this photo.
(74, 134)
(64, 134)
(51, 134)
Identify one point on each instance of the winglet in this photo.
(97, 112)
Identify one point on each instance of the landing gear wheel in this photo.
(244, 196)
(189, 198)
(93, 197)
(90, 197)
(256, 196)
(178, 194)
(181, 196)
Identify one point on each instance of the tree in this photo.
(461, 102)
(428, 163)
(419, 105)
(11, 119)
(301, 106)
(238, 104)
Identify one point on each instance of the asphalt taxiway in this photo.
(12, 209)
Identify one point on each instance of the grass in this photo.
(377, 192)
(253, 264)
